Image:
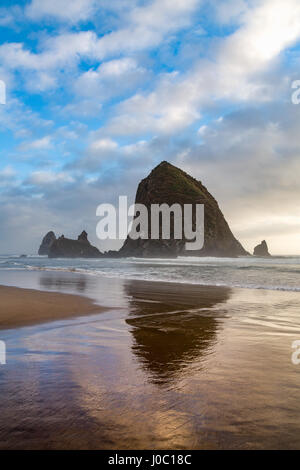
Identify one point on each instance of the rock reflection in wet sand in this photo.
(173, 328)
(176, 367)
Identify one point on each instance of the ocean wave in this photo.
(155, 277)
(10, 263)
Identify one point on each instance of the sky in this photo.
(98, 92)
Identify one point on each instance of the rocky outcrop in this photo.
(262, 249)
(47, 241)
(67, 248)
(168, 184)
(83, 237)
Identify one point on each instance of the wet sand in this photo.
(21, 307)
(169, 366)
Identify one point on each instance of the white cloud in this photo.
(249, 161)
(202, 130)
(228, 11)
(58, 51)
(268, 29)
(21, 120)
(103, 145)
(58, 54)
(41, 178)
(117, 68)
(146, 27)
(171, 107)
(9, 16)
(82, 108)
(63, 10)
(110, 79)
(43, 143)
(7, 173)
(239, 73)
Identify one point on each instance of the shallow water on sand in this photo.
(170, 366)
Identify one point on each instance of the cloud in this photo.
(169, 108)
(71, 11)
(41, 178)
(117, 68)
(43, 143)
(147, 90)
(81, 108)
(111, 79)
(230, 11)
(21, 120)
(146, 27)
(11, 16)
(239, 73)
(61, 201)
(7, 174)
(249, 160)
(41, 70)
(103, 144)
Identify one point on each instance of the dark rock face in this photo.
(47, 241)
(68, 248)
(262, 249)
(83, 237)
(168, 184)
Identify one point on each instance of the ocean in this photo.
(192, 353)
(276, 273)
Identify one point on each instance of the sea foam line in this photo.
(134, 277)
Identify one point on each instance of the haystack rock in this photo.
(47, 241)
(168, 184)
(67, 248)
(262, 249)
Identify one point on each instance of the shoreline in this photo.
(28, 304)
(163, 356)
(75, 271)
(24, 307)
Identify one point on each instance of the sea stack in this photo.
(67, 248)
(169, 184)
(262, 249)
(47, 241)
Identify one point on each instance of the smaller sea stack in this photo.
(47, 241)
(262, 249)
(67, 248)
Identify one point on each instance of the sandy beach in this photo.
(22, 307)
(165, 366)
(149, 227)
